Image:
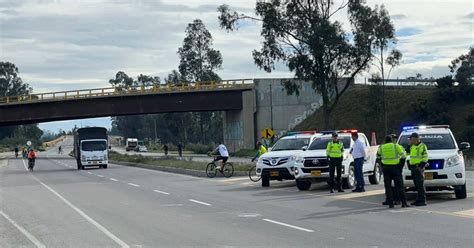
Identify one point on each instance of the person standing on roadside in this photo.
(389, 155)
(417, 163)
(180, 150)
(165, 149)
(335, 152)
(358, 153)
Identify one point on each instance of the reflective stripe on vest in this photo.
(417, 154)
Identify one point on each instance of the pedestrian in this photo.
(417, 163)
(334, 152)
(389, 155)
(165, 149)
(180, 150)
(396, 196)
(358, 153)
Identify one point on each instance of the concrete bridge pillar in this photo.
(239, 125)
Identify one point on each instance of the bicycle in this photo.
(253, 174)
(212, 168)
(31, 164)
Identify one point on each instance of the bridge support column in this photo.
(239, 125)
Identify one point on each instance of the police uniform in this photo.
(417, 162)
(334, 152)
(390, 155)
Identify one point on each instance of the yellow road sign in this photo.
(268, 133)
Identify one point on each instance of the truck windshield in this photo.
(94, 146)
(132, 144)
(322, 143)
(432, 141)
(290, 144)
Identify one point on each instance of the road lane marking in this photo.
(100, 176)
(200, 202)
(113, 179)
(358, 195)
(288, 225)
(134, 185)
(81, 213)
(22, 230)
(161, 192)
(465, 213)
(89, 172)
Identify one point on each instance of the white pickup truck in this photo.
(312, 165)
(446, 169)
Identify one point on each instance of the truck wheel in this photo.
(460, 192)
(376, 178)
(349, 182)
(303, 185)
(104, 166)
(265, 182)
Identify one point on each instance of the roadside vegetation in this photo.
(170, 162)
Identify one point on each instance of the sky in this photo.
(69, 44)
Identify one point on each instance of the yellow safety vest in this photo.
(390, 153)
(335, 150)
(262, 150)
(418, 154)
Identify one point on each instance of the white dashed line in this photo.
(100, 176)
(89, 172)
(113, 179)
(200, 202)
(288, 225)
(161, 192)
(134, 185)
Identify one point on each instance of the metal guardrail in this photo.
(119, 91)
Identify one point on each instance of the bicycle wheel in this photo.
(253, 174)
(211, 170)
(228, 170)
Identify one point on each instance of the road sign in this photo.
(28, 143)
(268, 133)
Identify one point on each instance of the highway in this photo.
(59, 206)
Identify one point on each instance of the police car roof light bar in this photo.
(301, 132)
(408, 128)
(339, 131)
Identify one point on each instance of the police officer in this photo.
(390, 154)
(396, 196)
(417, 163)
(334, 152)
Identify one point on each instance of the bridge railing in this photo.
(133, 90)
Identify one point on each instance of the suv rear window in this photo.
(432, 141)
(290, 144)
(322, 143)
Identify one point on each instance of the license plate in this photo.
(316, 173)
(428, 176)
(274, 173)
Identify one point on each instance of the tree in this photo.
(10, 83)
(146, 80)
(463, 68)
(314, 46)
(198, 60)
(122, 80)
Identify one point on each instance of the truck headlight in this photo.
(299, 159)
(452, 161)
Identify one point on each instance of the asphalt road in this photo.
(59, 206)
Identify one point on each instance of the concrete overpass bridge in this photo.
(248, 105)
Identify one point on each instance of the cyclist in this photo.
(31, 158)
(16, 152)
(223, 155)
(165, 149)
(60, 150)
(261, 150)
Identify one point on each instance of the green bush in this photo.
(199, 148)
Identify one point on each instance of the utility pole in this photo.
(271, 106)
(156, 136)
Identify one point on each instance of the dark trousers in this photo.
(419, 181)
(359, 174)
(335, 164)
(392, 173)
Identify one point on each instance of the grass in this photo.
(170, 162)
(244, 153)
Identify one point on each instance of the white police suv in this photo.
(446, 169)
(312, 165)
(277, 164)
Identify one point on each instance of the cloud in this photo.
(398, 17)
(408, 31)
(470, 16)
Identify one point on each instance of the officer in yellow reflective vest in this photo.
(334, 152)
(390, 155)
(417, 163)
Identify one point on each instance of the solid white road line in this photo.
(81, 213)
(288, 225)
(113, 179)
(161, 192)
(134, 185)
(22, 230)
(100, 176)
(200, 202)
(89, 172)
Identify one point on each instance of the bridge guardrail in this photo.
(133, 90)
